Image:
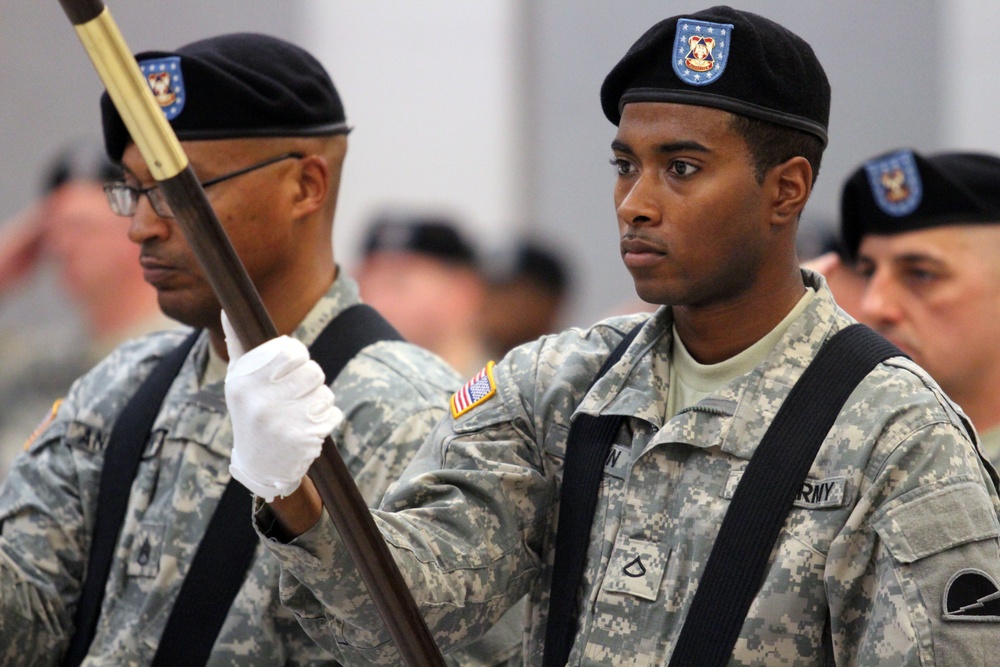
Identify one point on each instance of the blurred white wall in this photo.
(490, 110)
(432, 91)
(968, 57)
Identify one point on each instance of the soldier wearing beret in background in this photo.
(264, 128)
(715, 155)
(68, 233)
(925, 231)
(531, 281)
(423, 275)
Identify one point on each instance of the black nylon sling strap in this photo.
(121, 462)
(216, 575)
(587, 447)
(738, 561)
(841, 363)
(227, 550)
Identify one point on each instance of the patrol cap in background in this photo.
(904, 191)
(82, 160)
(434, 236)
(727, 59)
(232, 86)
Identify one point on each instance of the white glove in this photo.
(281, 410)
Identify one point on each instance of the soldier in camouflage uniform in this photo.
(891, 552)
(924, 230)
(279, 215)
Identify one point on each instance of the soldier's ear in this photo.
(312, 184)
(789, 185)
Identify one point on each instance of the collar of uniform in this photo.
(760, 393)
(342, 294)
(636, 386)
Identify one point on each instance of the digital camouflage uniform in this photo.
(391, 393)
(898, 503)
(991, 445)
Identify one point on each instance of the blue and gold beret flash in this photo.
(904, 191)
(235, 86)
(727, 59)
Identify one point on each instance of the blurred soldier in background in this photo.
(69, 259)
(829, 258)
(422, 274)
(526, 294)
(925, 232)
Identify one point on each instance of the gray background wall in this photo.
(542, 163)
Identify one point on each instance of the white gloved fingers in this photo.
(301, 381)
(278, 356)
(322, 409)
(233, 344)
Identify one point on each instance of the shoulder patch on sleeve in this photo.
(971, 595)
(42, 425)
(481, 388)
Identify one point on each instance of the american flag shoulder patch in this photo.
(477, 391)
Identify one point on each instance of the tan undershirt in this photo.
(691, 381)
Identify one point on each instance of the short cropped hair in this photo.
(771, 145)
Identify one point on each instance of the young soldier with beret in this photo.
(265, 130)
(722, 119)
(925, 231)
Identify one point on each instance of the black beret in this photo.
(904, 191)
(235, 86)
(534, 262)
(727, 59)
(437, 237)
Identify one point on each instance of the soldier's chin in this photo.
(180, 309)
(652, 294)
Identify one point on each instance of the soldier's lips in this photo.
(639, 254)
(156, 272)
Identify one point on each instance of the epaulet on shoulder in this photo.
(49, 417)
(143, 350)
(156, 341)
(618, 327)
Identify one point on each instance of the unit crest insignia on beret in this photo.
(895, 183)
(165, 80)
(477, 391)
(702, 49)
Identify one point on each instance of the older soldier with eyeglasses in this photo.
(156, 562)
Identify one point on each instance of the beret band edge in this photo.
(726, 104)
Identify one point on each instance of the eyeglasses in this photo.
(123, 198)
